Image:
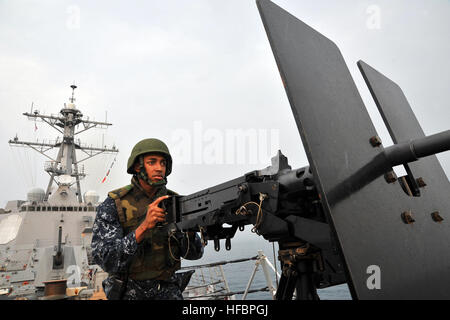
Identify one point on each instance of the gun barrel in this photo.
(58, 258)
(413, 150)
(59, 241)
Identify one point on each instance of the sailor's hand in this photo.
(155, 214)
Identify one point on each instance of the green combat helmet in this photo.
(149, 146)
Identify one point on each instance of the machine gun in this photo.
(284, 206)
(346, 212)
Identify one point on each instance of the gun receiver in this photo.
(282, 204)
(276, 192)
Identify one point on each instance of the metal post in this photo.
(251, 280)
(264, 261)
(271, 266)
(225, 281)
(77, 176)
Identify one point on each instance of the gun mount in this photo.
(345, 212)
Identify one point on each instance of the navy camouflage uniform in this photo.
(112, 251)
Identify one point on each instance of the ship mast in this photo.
(66, 163)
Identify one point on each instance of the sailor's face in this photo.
(155, 165)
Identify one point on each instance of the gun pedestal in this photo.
(300, 267)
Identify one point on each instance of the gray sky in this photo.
(197, 71)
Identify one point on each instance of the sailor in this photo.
(131, 240)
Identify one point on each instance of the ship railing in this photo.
(216, 286)
(54, 167)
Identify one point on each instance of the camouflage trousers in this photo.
(170, 289)
(152, 290)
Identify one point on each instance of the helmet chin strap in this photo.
(142, 174)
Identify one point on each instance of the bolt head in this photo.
(390, 177)
(375, 141)
(407, 217)
(420, 182)
(436, 217)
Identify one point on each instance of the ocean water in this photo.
(246, 245)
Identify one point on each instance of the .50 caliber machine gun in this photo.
(347, 212)
(284, 206)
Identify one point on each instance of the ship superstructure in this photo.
(46, 238)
